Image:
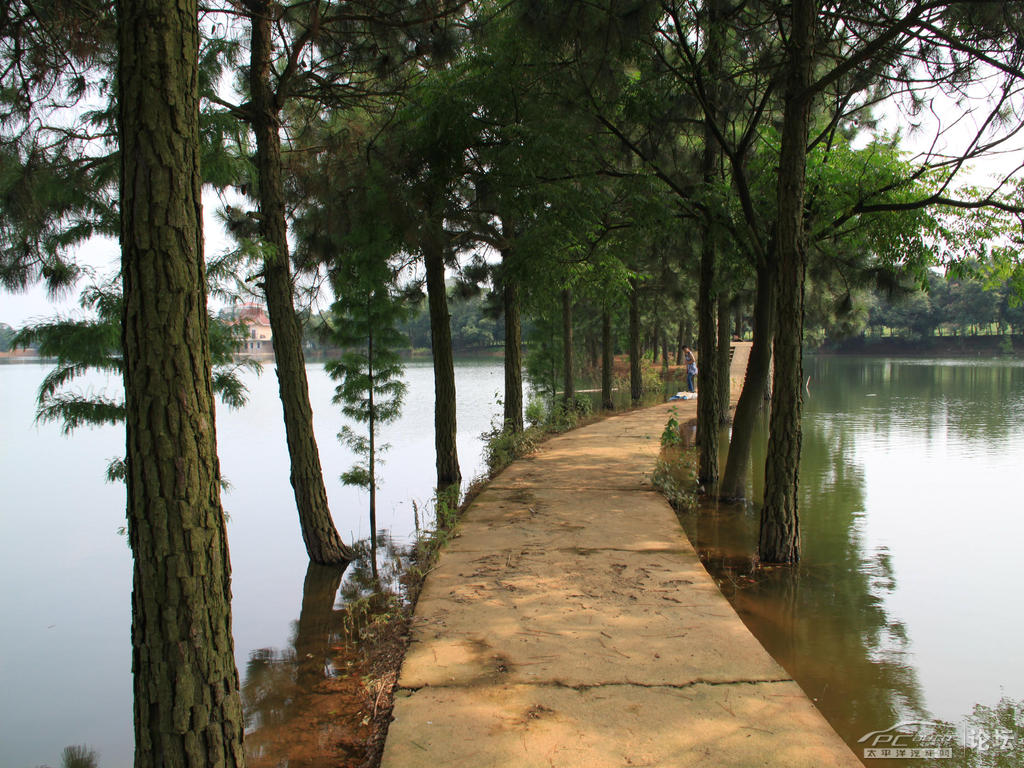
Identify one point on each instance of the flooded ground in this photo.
(904, 606)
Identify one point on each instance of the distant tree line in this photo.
(970, 304)
(963, 307)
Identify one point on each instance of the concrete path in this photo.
(572, 624)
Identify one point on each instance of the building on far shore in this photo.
(258, 335)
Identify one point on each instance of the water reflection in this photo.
(313, 703)
(901, 607)
(827, 621)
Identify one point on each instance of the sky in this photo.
(103, 256)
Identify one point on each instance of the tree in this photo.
(779, 537)
(864, 52)
(365, 319)
(187, 705)
(323, 543)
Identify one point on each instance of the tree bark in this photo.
(679, 344)
(779, 540)
(708, 408)
(724, 362)
(323, 544)
(752, 395)
(664, 355)
(607, 361)
(188, 711)
(446, 450)
(513, 353)
(707, 381)
(636, 385)
(568, 382)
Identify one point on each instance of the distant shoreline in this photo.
(934, 346)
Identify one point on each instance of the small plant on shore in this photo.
(429, 543)
(79, 756)
(671, 436)
(568, 416)
(503, 446)
(668, 478)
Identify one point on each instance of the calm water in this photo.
(906, 604)
(65, 673)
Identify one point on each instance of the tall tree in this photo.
(323, 543)
(188, 710)
(568, 365)
(365, 320)
(779, 538)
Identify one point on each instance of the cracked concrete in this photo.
(570, 623)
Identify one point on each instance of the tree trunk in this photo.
(568, 383)
(656, 341)
(513, 353)
(593, 350)
(679, 344)
(607, 361)
(636, 385)
(447, 455)
(664, 355)
(188, 711)
(724, 361)
(752, 395)
(371, 463)
(779, 540)
(707, 379)
(323, 544)
(708, 408)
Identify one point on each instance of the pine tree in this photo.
(188, 710)
(365, 318)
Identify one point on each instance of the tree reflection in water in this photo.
(824, 620)
(313, 703)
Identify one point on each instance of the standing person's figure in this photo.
(691, 368)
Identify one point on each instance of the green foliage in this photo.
(650, 377)
(473, 325)
(364, 322)
(963, 305)
(536, 411)
(675, 475)
(502, 446)
(671, 435)
(6, 337)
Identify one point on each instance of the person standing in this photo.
(690, 359)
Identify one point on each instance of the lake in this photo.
(905, 604)
(65, 661)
